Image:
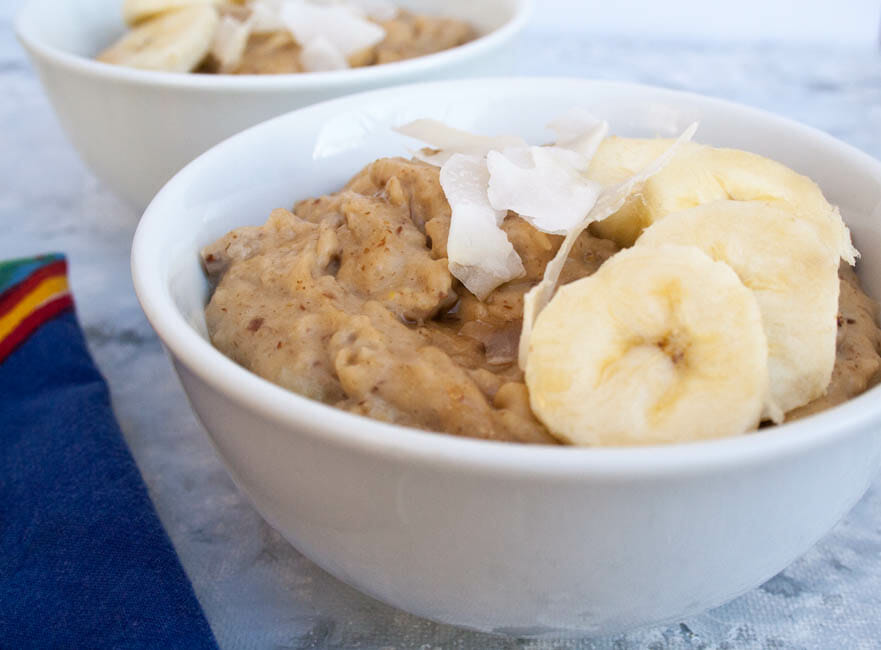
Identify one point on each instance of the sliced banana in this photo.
(700, 174)
(619, 158)
(613, 198)
(660, 345)
(795, 281)
(176, 41)
(136, 11)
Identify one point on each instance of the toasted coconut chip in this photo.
(230, 41)
(610, 200)
(551, 193)
(343, 28)
(579, 130)
(479, 252)
(447, 141)
(320, 55)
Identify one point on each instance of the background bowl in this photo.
(499, 536)
(136, 128)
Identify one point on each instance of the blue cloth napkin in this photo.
(84, 561)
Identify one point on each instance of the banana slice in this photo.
(795, 281)
(176, 41)
(136, 11)
(660, 345)
(612, 199)
(700, 174)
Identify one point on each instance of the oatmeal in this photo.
(348, 300)
(277, 36)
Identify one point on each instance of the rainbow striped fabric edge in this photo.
(32, 291)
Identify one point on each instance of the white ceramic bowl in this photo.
(136, 128)
(501, 536)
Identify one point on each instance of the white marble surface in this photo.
(257, 591)
(797, 21)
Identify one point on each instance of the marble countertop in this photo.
(256, 590)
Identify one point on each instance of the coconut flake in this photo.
(447, 141)
(479, 252)
(610, 200)
(579, 130)
(551, 192)
(230, 40)
(266, 16)
(547, 186)
(344, 29)
(320, 55)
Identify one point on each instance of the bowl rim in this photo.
(319, 421)
(385, 73)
